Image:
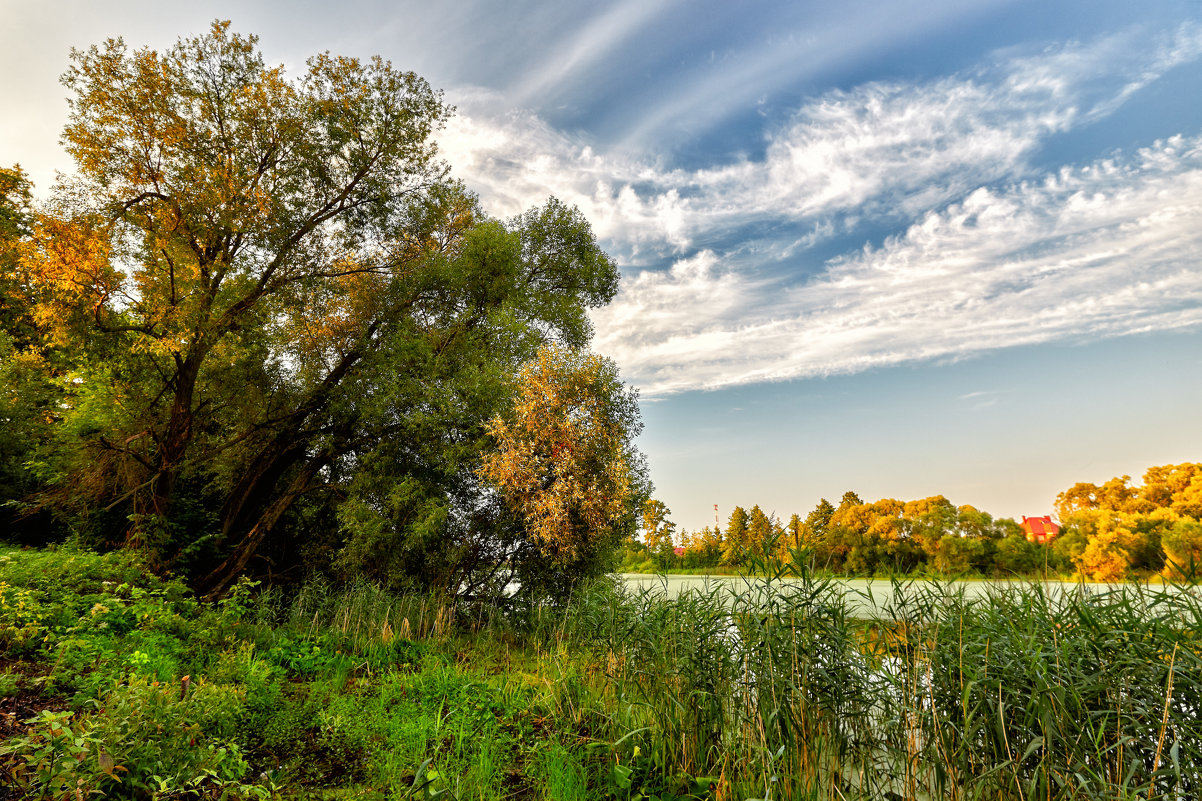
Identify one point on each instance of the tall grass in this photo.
(1093, 694)
(366, 615)
(779, 691)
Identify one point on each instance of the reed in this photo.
(776, 689)
(780, 691)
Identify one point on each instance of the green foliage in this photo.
(1085, 695)
(1016, 555)
(21, 619)
(734, 544)
(45, 760)
(1183, 549)
(567, 471)
(30, 377)
(658, 532)
(1078, 696)
(762, 532)
(142, 737)
(278, 345)
(958, 555)
(16, 213)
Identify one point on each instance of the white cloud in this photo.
(884, 151)
(515, 160)
(1104, 250)
(1016, 258)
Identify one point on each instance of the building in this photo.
(1040, 529)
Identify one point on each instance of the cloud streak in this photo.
(587, 47)
(1100, 251)
(880, 150)
(992, 253)
(733, 83)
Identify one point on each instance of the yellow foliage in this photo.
(886, 527)
(1166, 485)
(1103, 559)
(1133, 523)
(1178, 487)
(1183, 550)
(67, 273)
(924, 506)
(657, 529)
(564, 457)
(863, 517)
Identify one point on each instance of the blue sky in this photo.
(904, 248)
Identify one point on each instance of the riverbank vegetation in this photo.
(1110, 532)
(118, 682)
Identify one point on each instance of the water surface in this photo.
(865, 596)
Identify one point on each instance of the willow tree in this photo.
(26, 400)
(270, 281)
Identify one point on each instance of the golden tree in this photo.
(1104, 557)
(565, 461)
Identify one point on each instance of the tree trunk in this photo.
(178, 434)
(216, 583)
(253, 491)
(253, 506)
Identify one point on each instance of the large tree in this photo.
(273, 289)
(657, 526)
(734, 541)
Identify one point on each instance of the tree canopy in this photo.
(285, 332)
(566, 465)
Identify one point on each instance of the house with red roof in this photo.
(1040, 529)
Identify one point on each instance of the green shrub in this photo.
(22, 620)
(142, 737)
(47, 759)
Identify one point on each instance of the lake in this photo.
(866, 597)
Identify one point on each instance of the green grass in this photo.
(128, 686)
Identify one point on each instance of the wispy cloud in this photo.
(586, 47)
(515, 160)
(735, 82)
(886, 151)
(993, 252)
(1104, 250)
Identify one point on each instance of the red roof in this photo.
(1040, 526)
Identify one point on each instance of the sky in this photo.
(903, 248)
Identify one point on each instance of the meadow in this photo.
(118, 684)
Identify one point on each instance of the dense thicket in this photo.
(261, 327)
(1117, 530)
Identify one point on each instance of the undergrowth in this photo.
(119, 684)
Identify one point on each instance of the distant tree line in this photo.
(1108, 533)
(1117, 530)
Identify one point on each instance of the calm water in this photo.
(865, 596)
